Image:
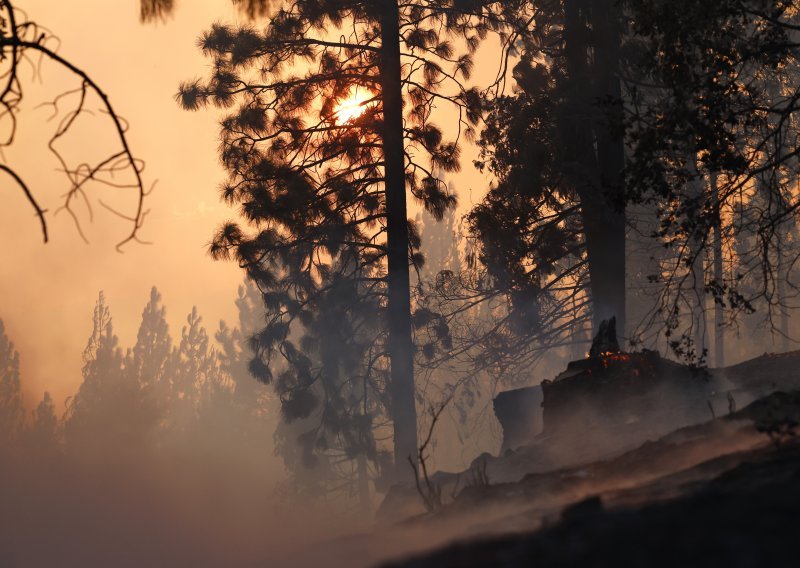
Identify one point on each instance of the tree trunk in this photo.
(595, 147)
(782, 276)
(579, 337)
(401, 350)
(363, 486)
(719, 278)
(773, 191)
(698, 273)
(610, 290)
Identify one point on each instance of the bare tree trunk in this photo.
(781, 275)
(719, 277)
(610, 258)
(401, 349)
(595, 148)
(363, 485)
(697, 252)
(774, 188)
(699, 323)
(578, 335)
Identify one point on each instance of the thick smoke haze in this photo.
(53, 286)
(49, 289)
(205, 503)
(167, 452)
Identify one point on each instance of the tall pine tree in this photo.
(193, 374)
(321, 151)
(551, 230)
(43, 432)
(153, 344)
(110, 408)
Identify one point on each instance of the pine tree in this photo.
(551, 230)
(11, 410)
(639, 102)
(320, 157)
(102, 367)
(42, 434)
(193, 374)
(337, 439)
(153, 344)
(110, 408)
(235, 343)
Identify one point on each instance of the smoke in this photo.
(124, 494)
(164, 457)
(206, 500)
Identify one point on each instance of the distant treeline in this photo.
(161, 392)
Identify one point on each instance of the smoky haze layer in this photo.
(139, 67)
(164, 453)
(53, 285)
(166, 457)
(163, 457)
(110, 510)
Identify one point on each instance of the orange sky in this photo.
(49, 290)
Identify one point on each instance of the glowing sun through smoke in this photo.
(353, 106)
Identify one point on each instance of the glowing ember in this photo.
(609, 358)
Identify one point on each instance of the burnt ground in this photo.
(746, 517)
(725, 493)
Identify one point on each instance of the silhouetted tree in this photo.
(320, 157)
(42, 434)
(110, 407)
(551, 230)
(193, 374)
(153, 345)
(11, 410)
(668, 106)
(713, 99)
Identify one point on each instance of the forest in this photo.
(497, 283)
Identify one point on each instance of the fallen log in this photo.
(612, 399)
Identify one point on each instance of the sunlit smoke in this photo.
(353, 106)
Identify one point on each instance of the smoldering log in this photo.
(612, 399)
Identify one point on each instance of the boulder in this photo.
(519, 412)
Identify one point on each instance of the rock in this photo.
(519, 412)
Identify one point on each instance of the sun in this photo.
(352, 106)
